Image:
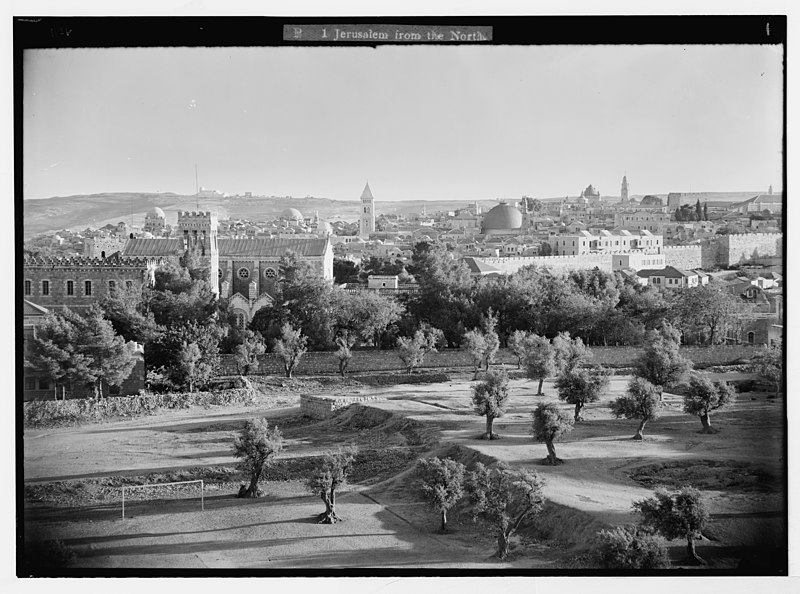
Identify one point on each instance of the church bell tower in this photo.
(367, 221)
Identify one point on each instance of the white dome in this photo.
(155, 213)
(292, 214)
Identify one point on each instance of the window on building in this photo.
(112, 285)
(219, 273)
(129, 284)
(243, 273)
(240, 320)
(87, 288)
(270, 273)
(751, 337)
(27, 287)
(44, 383)
(45, 287)
(70, 287)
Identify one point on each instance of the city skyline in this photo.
(423, 123)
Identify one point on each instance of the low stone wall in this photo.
(368, 361)
(323, 407)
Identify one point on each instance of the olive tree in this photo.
(248, 351)
(661, 363)
(768, 363)
(329, 475)
(483, 343)
(441, 483)
(702, 396)
(518, 343)
(504, 498)
(681, 514)
(581, 386)
(344, 353)
(254, 446)
(549, 425)
(642, 401)
(412, 351)
(475, 344)
(490, 397)
(570, 353)
(540, 359)
(291, 346)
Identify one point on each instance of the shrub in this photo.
(631, 548)
(51, 413)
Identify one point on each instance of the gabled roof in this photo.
(666, 272)
(267, 247)
(156, 246)
(31, 309)
(479, 266)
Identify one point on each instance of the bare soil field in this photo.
(73, 475)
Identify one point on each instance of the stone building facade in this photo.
(78, 282)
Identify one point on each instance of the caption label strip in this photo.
(387, 33)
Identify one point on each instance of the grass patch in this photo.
(719, 475)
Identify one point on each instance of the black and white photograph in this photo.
(418, 296)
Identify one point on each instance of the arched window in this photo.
(751, 337)
(243, 273)
(270, 273)
(111, 286)
(219, 273)
(28, 287)
(103, 254)
(240, 320)
(70, 287)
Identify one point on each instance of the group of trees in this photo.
(80, 350)
(256, 445)
(687, 212)
(666, 515)
(498, 496)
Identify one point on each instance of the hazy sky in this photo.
(417, 122)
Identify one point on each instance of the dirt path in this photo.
(591, 489)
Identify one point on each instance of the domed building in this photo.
(155, 221)
(503, 219)
(291, 215)
(324, 229)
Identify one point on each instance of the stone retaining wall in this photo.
(366, 361)
(322, 407)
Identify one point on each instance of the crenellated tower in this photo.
(199, 231)
(367, 221)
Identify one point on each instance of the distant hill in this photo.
(96, 210)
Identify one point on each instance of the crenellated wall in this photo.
(736, 248)
(512, 264)
(685, 257)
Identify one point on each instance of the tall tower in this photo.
(770, 189)
(199, 231)
(367, 221)
(624, 191)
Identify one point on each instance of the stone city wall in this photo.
(367, 361)
(736, 248)
(685, 257)
(512, 264)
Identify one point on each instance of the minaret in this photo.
(770, 189)
(367, 221)
(624, 190)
